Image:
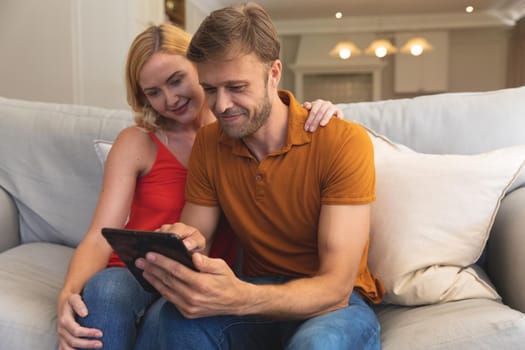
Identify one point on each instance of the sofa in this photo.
(441, 159)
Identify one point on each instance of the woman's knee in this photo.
(112, 286)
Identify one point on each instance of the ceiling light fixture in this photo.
(380, 48)
(469, 9)
(416, 46)
(345, 49)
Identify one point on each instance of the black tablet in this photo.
(132, 244)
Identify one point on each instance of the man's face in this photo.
(237, 92)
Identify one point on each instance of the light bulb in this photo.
(345, 53)
(381, 51)
(338, 15)
(416, 49)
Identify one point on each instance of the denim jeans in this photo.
(116, 303)
(353, 327)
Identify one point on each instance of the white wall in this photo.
(73, 51)
(36, 50)
(478, 59)
(70, 51)
(197, 10)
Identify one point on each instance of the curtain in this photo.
(516, 65)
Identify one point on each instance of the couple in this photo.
(305, 284)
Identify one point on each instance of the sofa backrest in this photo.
(448, 123)
(49, 166)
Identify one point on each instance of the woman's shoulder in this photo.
(133, 149)
(133, 132)
(134, 139)
(133, 136)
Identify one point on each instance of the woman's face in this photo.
(171, 85)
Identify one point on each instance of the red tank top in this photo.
(159, 199)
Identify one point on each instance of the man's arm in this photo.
(215, 290)
(343, 233)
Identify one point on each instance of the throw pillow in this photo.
(432, 218)
(102, 148)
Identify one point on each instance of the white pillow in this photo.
(432, 218)
(102, 148)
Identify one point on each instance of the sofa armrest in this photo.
(506, 250)
(9, 230)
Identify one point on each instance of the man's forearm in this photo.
(298, 299)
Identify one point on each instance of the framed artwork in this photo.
(175, 11)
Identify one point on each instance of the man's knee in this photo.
(353, 327)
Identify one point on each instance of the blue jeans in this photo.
(353, 327)
(116, 303)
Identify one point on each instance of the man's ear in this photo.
(276, 70)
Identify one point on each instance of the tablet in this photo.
(130, 245)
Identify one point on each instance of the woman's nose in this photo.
(171, 98)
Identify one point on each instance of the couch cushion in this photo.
(32, 275)
(449, 123)
(432, 218)
(467, 325)
(102, 148)
(49, 167)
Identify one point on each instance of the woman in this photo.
(143, 188)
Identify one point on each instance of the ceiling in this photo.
(309, 9)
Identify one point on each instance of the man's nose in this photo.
(223, 101)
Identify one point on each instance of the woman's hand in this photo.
(321, 112)
(70, 334)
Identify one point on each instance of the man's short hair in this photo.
(235, 30)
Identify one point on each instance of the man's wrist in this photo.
(252, 299)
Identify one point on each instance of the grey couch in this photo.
(50, 177)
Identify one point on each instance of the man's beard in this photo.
(259, 117)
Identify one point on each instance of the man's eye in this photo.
(237, 88)
(175, 82)
(209, 90)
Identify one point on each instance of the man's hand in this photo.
(215, 290)
(320, 113)
(192, 238)
(70, 334)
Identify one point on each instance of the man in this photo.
(299, 203)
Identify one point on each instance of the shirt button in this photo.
(258, 177)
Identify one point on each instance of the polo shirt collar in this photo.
(296, 136)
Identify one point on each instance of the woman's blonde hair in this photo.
(165, 38)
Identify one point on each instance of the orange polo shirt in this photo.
(274, 205)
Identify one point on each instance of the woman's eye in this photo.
(151, 93)
(175, 82)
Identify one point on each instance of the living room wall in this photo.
(477, 61)
(36, 46)
(70, 51)
(73, 51)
